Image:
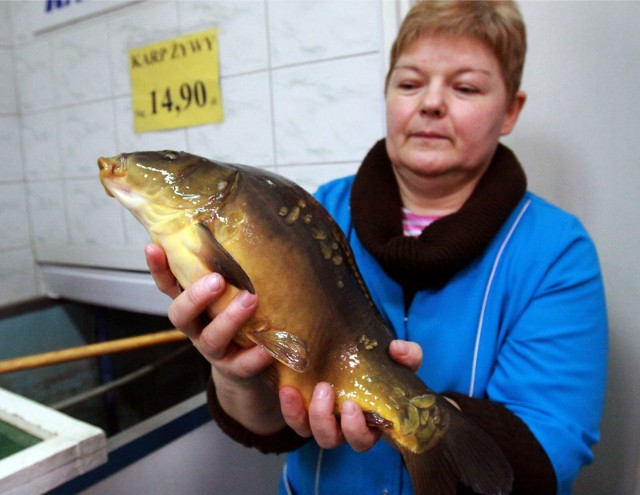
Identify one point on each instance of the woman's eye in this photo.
(467, 90)
(407, 85)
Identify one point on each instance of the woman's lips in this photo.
(432, 137)
(429, 135)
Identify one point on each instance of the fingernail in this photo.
(402, 347)
(321, 391)
(286, 398)
(214, 282)
(348, 409)
(246, 299)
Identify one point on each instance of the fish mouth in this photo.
(110, 168)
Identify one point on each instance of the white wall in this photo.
(302, 93)
(579, 142)
(17, 268)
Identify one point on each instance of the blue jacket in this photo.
(524, 325)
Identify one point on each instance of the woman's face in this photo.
(447, 106)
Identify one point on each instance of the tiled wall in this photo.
(17, 268)
(302, 95)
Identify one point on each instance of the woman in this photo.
(500, 289)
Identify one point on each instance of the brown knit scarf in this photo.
(448, 244)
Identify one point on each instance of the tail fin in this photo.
(465, 454)
(430, 472)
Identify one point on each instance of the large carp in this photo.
(265, 234)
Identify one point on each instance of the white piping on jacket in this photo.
(316, 490)
(486, 297)
(285, 479)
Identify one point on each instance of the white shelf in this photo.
(128, 290)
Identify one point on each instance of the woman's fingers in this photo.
(226, 325)
(215, 340)
(324, 426)
(321, 422)
(407, 353)
(159, 268)
(294, 412)
(242, 365)
(188, 306)
(355, 429)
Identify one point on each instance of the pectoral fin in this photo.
(284, 346)
(218, 259)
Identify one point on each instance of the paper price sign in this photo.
(175, 83)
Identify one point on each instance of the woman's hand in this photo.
(242, 389)
(321, 422)
(214, 340)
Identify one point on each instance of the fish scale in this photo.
(265, 234)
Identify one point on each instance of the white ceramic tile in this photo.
(85, 133)
(20, 15)
(242, 33)
(311, 177)
(80, 68)
(34, 71)
(47, 212)
(14, 222)
(40, 145)
(17, 276)
(94, 218)
(11, 163)
(328, 112)
(127, 32)
(8, 95)
(128, 140)
(246, 135)
(5, 24)
(302, 31)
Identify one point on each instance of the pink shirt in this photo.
(413, 224)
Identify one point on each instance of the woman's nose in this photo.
(433, 102)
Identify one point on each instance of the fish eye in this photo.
(171, 156)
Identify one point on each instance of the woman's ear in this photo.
(513, 112)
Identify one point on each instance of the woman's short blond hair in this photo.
(498, 24)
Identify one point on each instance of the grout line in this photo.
(327, 59)
(272, 107)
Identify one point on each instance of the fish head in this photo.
(157, 186)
